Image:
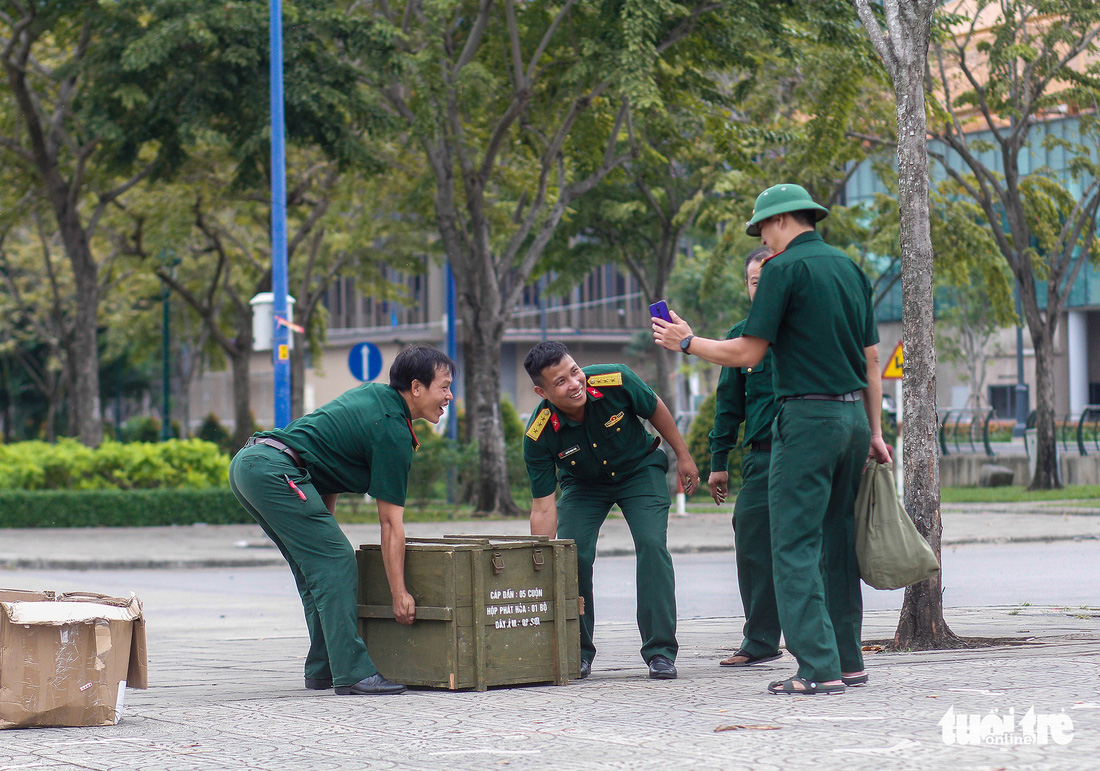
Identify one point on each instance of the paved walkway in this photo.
(225, 670)
(700, 530)
(234, 701)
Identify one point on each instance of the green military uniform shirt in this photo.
(820, 351)
(608, 444)
(744, 395)
(360, 442)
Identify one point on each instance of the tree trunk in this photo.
(87, 412)
(482, 347)
(297, 379)
(1046, 454)
(921, 624)
(666, 387)
(241, 361)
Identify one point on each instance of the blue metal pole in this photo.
(281, 332)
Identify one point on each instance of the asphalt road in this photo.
(231, 602)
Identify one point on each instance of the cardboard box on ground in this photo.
(67, 659)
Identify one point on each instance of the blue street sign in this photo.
(365, 361)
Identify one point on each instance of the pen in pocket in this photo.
(294, 487)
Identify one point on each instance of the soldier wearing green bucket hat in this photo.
(813, 306)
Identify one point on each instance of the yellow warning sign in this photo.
(894, 365)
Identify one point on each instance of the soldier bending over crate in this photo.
(289, 480)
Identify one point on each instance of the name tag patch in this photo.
(614, 419)
(570, 451)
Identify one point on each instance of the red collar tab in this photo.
(771, 257)
(554, 422)
(594, 392)
(416, 442)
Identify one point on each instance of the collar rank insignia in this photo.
(416, 442)
(614, 419)
(538, 424)
(594, 393)
(606, 379)
(554, 422)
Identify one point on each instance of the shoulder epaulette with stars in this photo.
(537, 426)
(606, 379)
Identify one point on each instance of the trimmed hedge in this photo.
(119, 508)
(69, 465)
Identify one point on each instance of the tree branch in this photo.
(882, 46)
(477, 32)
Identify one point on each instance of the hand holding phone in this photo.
(659, 310)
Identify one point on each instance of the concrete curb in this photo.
(46, 563)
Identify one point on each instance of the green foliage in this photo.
(69, 465)
(181, 71)
(119, 508)
(437, 457)
(509, 416)
(141, 428)
(513, 426)
(1014, 494)
(698, 442)
(214, 432)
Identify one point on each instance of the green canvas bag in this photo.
(891, 552)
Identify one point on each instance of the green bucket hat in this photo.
(781, 199)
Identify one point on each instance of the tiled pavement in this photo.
(232, 699)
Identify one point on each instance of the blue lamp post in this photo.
(280, 348)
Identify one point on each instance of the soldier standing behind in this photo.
(814, 307)
(745, 395)
(587, 435)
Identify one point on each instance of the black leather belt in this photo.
(290, 452)
(853, 396)
(760, 446)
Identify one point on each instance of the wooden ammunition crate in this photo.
(490, 610)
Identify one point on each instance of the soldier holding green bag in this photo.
(814, 307)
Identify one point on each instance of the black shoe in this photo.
(660, 668)
(586, 669)
(373, 685)
(318, 683)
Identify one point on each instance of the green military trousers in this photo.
(320, 557)
(753, 544)
(644, 500)
(819, 449)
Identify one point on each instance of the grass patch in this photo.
(1015, 494)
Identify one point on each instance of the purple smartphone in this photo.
(659, 310)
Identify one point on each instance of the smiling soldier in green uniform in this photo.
(289, 480)
(745, 395)
(587, 435)
(813, 305)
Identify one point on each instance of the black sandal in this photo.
(809, 687)
(750, 659)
